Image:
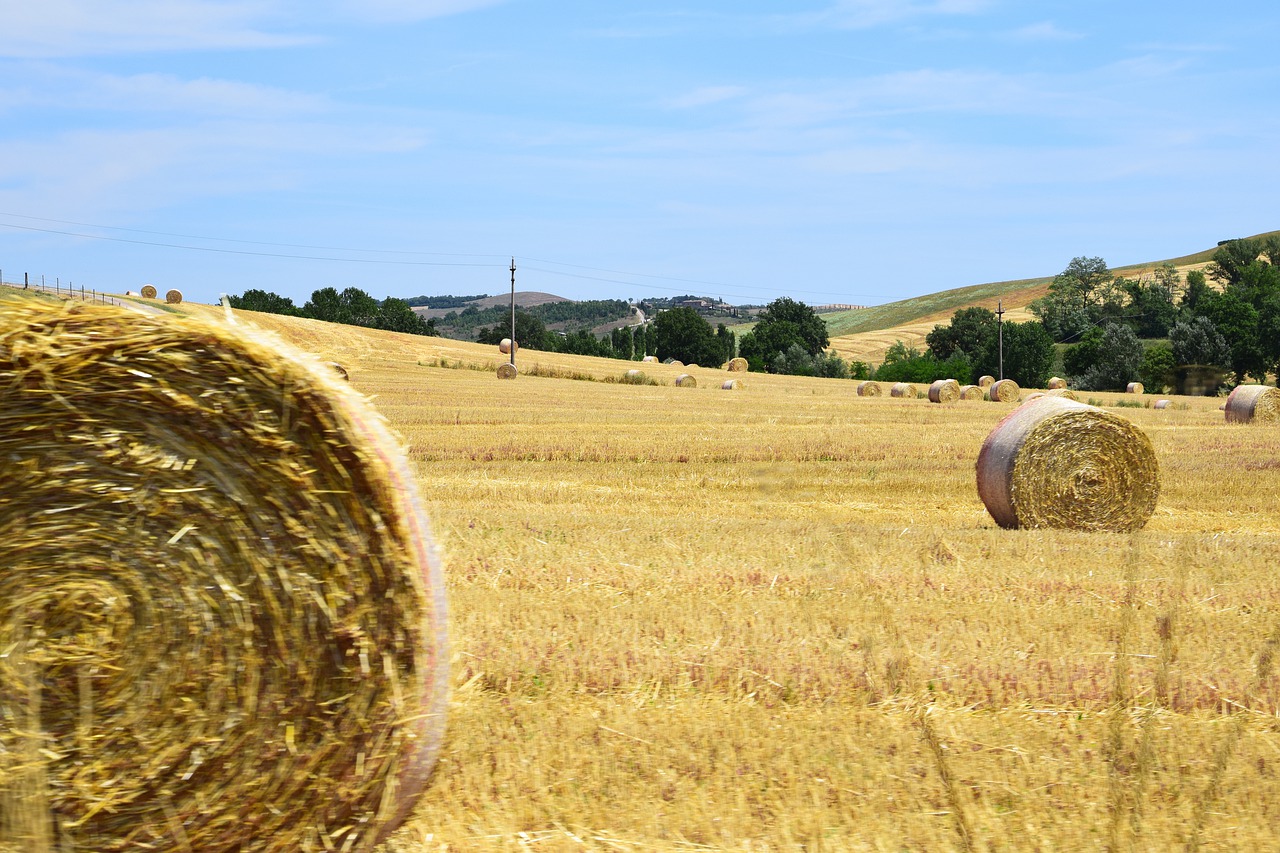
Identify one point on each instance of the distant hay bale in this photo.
(731, 385)
(173, 297)
(1161, 404)
(870, 389)
(684, 380)
(971, 392)
(635, 374)
(1062, 392)
(338, 369)
(1250, 403)
(504, 346)
(904, 390)
(738, 365)
(1134, 388)
(944, 391)
(221, 614)
(507, 370)
(148, 291)
(650, 359)
(1058, 463)
(131, 293)
(674, 362)
(1056, 382)
(1005, 391)
(986, 381)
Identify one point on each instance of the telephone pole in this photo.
(513, 312)
(999, 327)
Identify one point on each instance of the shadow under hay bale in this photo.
(1058, 463)
(972, 392)
(944, 391)
(870, 389)
(903, 390)
(507, 370)
(222, 617)
(684, 380)
(1252, 403)
(1004, 391)
(737, 365)
(148, 291)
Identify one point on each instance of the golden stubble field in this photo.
(779, 618)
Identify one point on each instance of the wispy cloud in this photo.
(865, 14)
(1043, 31)
(706, 96)
(400, 11)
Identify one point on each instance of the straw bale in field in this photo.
(1161, 404)
(684, 380)
(221, 616)
(870, 389)
(971, 392)
(1056, 382)
(651, 359)
(173, 297)
(1062, 392)
(1134, 388)
(737, 365)
(1247, 403)
(505, 345)
(986, 381)
(1035, 395)
(944, 391)
(731, 385)
(904, 390)
(507, 370)
(674, 362)
(635, 374)
(148, 291)
(1005, 391)
(1058, 463)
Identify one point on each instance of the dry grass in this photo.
(782, 619)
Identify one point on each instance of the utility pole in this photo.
(1000, 325)
(513, 312)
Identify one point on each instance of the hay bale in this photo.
(1134, 388)
(1004, 391)
(731, 385)
(505, 345)
(870, 389)
(338, 369)
(944, 391)
(148, 291)
(223, 620)
(674, 362)
(173, 297)
(971, 392)
(986, 381)
(905, 390)
(684, 380)
(1056, 382)
(1062, 392)
(1035, 395)
(1248, 403)
(635, 374)
(650, 359)
(1059, 463)
(738, 365)
(1161, 404)
(507, 370)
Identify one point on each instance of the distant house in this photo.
(695, 304)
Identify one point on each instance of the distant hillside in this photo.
(524, 299)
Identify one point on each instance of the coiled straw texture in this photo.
(223, 622)
(1005, 391)
(1247, 403)
(944, 391)
(1058, 463)
(870, 389)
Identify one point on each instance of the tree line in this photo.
(351, 306)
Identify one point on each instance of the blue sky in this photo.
(849, 151)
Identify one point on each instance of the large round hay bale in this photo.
(1059, 463)
(507, 370)
(870, 389)
(634, 375)
(738, 365)
(971, 392)
(505, 345)
(1005, 391)
(148, 291)
(1056, 382)
(944, 391)
(904, 390)
(1134, 388)
(731, 385)
(986, 381)
(684, 380)
(1062, 392)
(1161, 404)
(674, 362)
(1253, 403)
(650, 359)
(222, 618)
(173, 297)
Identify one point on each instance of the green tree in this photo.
(1151, 311)
(1028, 355)
(352, 306)
(1158, 369)
(1075, 299)
(969, 332)
(1238, 321)
(1196, 289)
(1108, 357)
(530, 332)
(264, 301)
(783, 323)
(683, 334)
(395, 315)
(1201, 355)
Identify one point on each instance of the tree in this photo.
(1231, 259)
(1201, 355)
(264, 301)
(1158, 369)
(352, 306)
(969, 332)
(907, 364)
(683, 334)
(1150, 311)
(395, 315)
(784, 322)
(1028, 355)
(1075, 299)
(530, 332)
(1196, 289)
(1107, 358)
(1238, 321)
